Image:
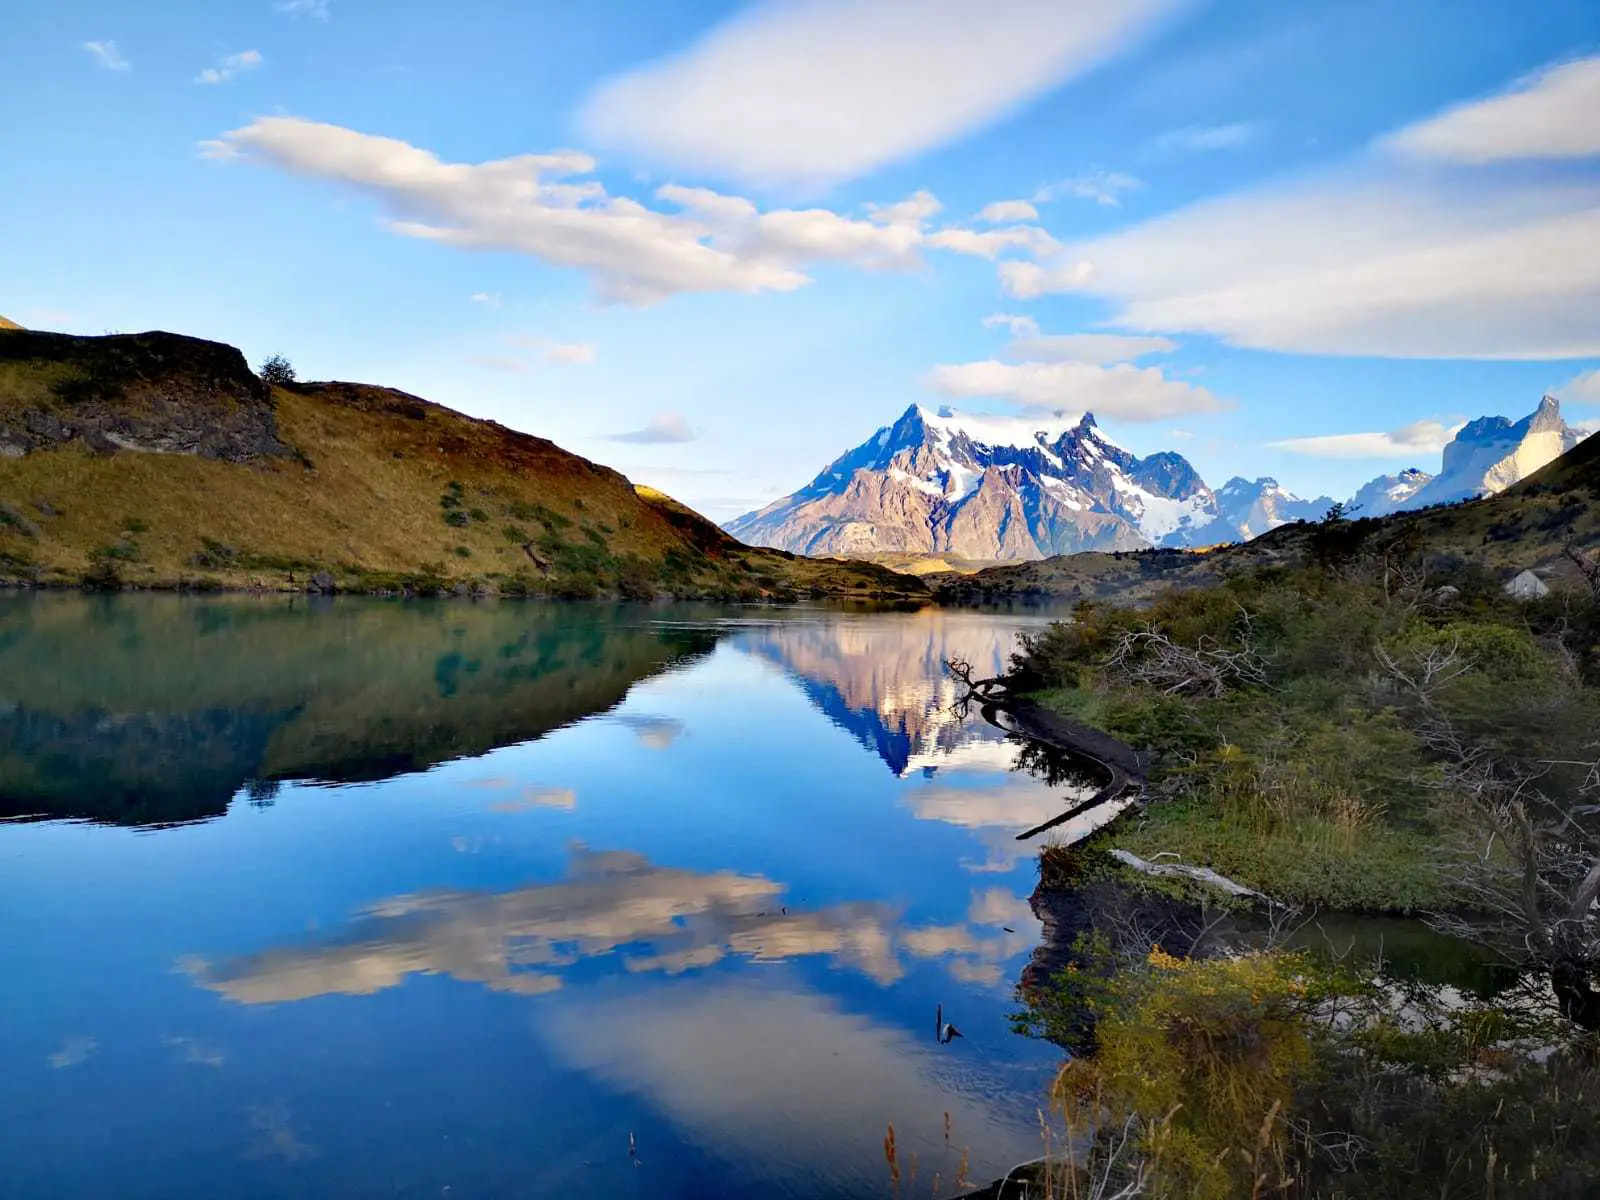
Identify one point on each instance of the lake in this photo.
(381, 898)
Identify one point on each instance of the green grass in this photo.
(1310, 780)
(376, 487)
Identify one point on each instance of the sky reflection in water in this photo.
(694, 875)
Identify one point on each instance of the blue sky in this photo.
(716, 244)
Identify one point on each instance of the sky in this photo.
(716, 244)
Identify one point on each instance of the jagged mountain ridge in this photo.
(1011, 489)
(1003, 488)
(1485, 457)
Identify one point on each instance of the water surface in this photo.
(406, 899)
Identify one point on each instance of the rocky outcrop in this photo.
(156, 393)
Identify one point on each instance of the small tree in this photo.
(278, 371)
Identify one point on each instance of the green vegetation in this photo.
(1265, 1072)
(331, 486)
(1296, 717)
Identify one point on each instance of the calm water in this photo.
(383, 899)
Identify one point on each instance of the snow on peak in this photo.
(1023, 433)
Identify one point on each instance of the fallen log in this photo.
(1178, 870)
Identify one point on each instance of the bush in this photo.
(277, 371)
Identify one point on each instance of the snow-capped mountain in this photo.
(1005, 488)
(1487, 456)
(1012, 488)
(1247, 509)
(1388, 493)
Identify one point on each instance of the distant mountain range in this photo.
(1014, 489)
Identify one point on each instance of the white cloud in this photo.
(1386, 265)
(991, 243)
(108, 56)
(1100, 349)
(814, 91)
(1200, 139)
(500, 363)
(229, 66)
(316, 9)
(487, 299)
(1583, 388)
(1005, 212)
(1122, 391)
(1383, 256)
(1101, 186)
(1017, 323)
(1409, 441)
(573, 353)
(664, 429)
(531, 205)
(1552, 114)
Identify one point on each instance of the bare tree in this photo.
(1531, 860)
(1588, 564)
(1152, 659)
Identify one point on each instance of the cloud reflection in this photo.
(767, 1077)
(655, 919)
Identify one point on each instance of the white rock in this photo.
(1527, 586)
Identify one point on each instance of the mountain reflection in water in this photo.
(449, 895)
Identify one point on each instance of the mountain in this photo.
(1388, 493)
(1246, 509)
(1000, 488)
(157, 460)
(1529, 525)
(5, 324)
(1485, 457)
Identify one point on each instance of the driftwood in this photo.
(1179, 871)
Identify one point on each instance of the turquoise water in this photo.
(371, 898)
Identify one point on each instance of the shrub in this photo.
(277, 371)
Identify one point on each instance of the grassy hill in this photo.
(1526, 526)
(5, 324)
(156, 460)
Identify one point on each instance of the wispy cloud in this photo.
(1201, 139)
(1583, 388)
(664, 429)
(571, 353)
(1099, 349)
(1120, 391)
(1551, 114)
(515, 366)
(229, 66)
(814, 91)
(1006, 212)
(1100, 185)
(316, 9)
(108, 56)
(1378, 257)
(534, 204)
(1409, 441)
(487, 299)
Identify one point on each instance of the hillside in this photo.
(6, 324)
(1525, 526)
(157, 460)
